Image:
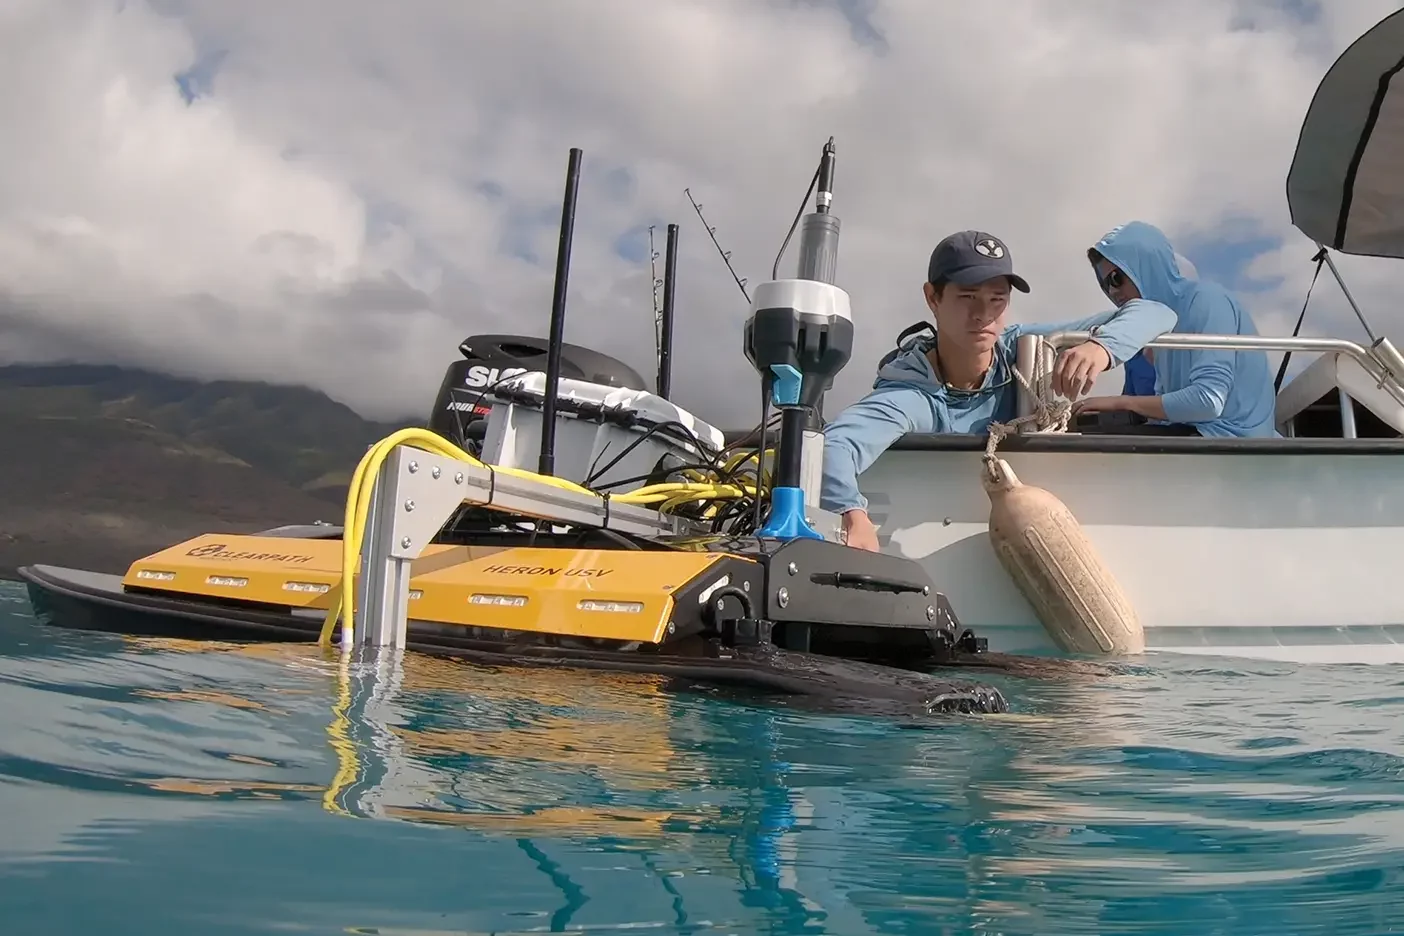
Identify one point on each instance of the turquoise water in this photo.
(159, 787)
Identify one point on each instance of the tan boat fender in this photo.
(1042, 547)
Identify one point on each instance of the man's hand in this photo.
(859, 531)
(1151, 407)
(1102, 404)
(1078, 367)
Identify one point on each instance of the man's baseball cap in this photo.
(969, 257)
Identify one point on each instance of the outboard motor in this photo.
(461, 408)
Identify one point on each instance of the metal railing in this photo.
(1382, 361)
(1060, 340)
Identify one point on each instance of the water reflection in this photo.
(797, 810)
(275, 787)
(568, 756)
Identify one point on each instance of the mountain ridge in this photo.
(108, 463)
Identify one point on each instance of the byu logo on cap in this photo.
(989, 247)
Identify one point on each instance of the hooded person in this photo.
(1210, 392)
(961, 378)
(1140, 372)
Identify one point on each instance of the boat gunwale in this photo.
(1133, 444)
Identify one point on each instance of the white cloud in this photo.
(364, 185)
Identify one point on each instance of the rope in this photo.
(1050, 415)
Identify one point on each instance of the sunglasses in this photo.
(1113, 280)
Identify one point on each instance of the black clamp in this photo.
(969, 643)
(743, 630)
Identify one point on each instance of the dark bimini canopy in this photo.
(1346, 185)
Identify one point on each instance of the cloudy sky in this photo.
(337, 193)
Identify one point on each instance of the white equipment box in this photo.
(595, 424)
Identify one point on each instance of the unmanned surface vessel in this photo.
(709, 569)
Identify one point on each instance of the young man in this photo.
(1210, 392)
(962, 379)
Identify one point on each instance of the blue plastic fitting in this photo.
(787, 520)
(785, 391)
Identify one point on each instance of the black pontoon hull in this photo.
(82, 600)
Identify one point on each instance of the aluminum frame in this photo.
(416, 492)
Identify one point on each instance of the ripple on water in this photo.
(243, 789)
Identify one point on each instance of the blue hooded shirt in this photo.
(1140, 376)
(908, 396)
(1220, 392)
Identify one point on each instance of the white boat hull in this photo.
(1274, 556)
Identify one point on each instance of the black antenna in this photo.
(725, 254)
(821, 203)
(665, 341)
(547, 462)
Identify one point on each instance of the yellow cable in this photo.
(669, 496)
(339, 734)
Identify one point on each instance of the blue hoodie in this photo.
(1140, 376)
(1219, 392)
(907, 396)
